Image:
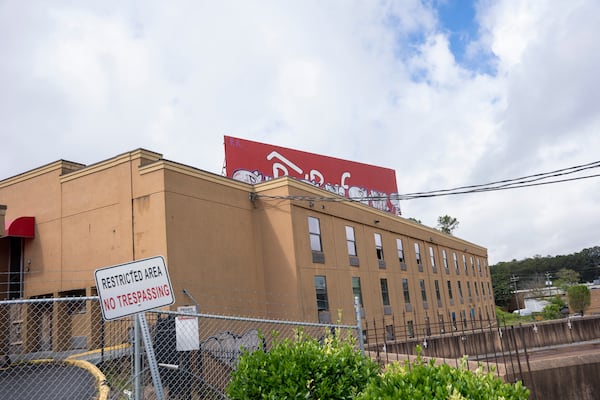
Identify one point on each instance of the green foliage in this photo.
(447, 224)
(579, 298)
(507, 318)
(566, 278)
(501, 286)
(585, 263)
(557, 300)
(552, 310)
(303, 368)
(424, 380)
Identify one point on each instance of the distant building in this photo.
(277, 249)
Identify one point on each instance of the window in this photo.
(423, 290)
(379, 250)
(454, 320)
(356, 291)
(418, 256)
(432, 258)
(385, 294)
(463, 315)
(321, 291)
(450, 291)
(314, 229)
(482, 289)
(410, 327)
(465, 264)
(445, 259)
(479, 266)
(456, 263)
(75, 306)
(378, 246)
(438, 295)
(476, 289)
(389, 332)
(350, 241)
(469, 291)
(400, 250)
(460, 292)
(472, 264)
(406, 291)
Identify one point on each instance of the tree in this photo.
(566, 278)
(501, 286)
(579, 298)
(447, 224)
(418, 221)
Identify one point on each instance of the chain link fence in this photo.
(61, 348)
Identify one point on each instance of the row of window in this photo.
(323, 301)
(317, 247)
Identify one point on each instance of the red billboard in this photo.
(255, 162)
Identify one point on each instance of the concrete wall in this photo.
(566, 378)
(563, 363)
(488, 340)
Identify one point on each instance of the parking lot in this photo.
(46, 380)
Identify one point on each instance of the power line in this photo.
(520, 180)
(505, 184)
(492, 189)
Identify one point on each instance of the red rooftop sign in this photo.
(255, 162)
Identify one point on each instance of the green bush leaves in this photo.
(425, 380)
(305, 368)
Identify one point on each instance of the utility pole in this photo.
(513, 280)
(549, 283)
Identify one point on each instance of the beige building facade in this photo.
(278, 249)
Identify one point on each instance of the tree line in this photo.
(538, 271)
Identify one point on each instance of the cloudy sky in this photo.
(447, 93)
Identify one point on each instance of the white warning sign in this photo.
(133, 287)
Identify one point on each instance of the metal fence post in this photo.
(137, 369)
(150, 356)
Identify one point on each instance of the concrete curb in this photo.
(96, 351)
(102, 384)
(103, 388)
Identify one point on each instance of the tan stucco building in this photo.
(278, 249)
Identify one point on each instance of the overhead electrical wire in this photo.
(538, 179)
(524, 181)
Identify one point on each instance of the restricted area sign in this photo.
(133, 287)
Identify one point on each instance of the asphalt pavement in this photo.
(48, 381)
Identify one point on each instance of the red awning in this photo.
(20, 227)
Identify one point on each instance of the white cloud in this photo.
(373, 82)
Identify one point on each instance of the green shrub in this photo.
(303, 368)
(551, 311)
(421, 380)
